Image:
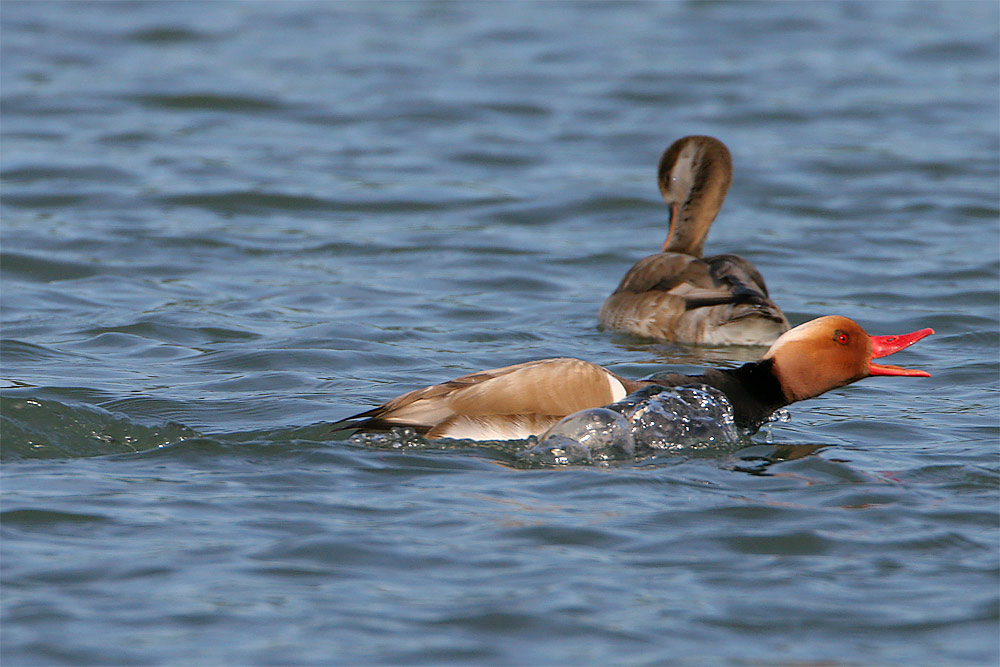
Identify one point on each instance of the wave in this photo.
(34, 428)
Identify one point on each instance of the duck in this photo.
(677, 295)
(516, 402)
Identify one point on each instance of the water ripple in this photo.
(210, 102)
(226, 225)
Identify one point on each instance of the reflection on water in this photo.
(757, 459)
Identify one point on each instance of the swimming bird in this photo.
(678, 295)
(515, 402)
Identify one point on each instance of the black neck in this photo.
(755, 393)
(752, 389)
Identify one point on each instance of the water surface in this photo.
(227, 225)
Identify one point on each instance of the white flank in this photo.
(501, 427)
(617, 389)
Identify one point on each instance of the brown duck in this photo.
(678, 295)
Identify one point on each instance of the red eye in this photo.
(841, 338)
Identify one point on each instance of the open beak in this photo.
(883, 346)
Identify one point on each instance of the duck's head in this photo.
(694, 176)
(833, 351)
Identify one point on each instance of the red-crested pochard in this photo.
(678, 295)
(515, 402)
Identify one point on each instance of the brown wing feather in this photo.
(543, 387)
(673, 296)
(715, 280)
(546, 387)
(663, 271)
(735, 270)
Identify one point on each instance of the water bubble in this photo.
(583, 437)
(557, 450)
(779, 416)
(398, 437)
(678, 417)
(636, 400)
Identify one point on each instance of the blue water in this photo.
(226, 225)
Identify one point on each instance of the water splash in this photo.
(652, 419)
(398, 437)
(676, 418)
(596, 434)
(779, 416)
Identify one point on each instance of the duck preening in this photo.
(678, 295)
(515, 402)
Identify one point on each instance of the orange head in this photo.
(833, 351)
